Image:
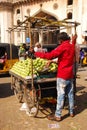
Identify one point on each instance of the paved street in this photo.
(12, 118)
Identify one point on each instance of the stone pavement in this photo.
(11, 118)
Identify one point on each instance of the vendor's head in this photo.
(63, 36)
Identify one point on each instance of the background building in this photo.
(13, 12)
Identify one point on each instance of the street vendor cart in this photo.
(32, 95)
(30, 89)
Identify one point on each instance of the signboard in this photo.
(27, 40)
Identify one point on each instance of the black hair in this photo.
(63, 36)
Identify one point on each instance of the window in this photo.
(69, 15)
(18, 11)
(70, 2)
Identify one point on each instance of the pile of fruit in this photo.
(24, 68)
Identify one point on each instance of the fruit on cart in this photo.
(24, 67)
(51, 100)
(53, 67)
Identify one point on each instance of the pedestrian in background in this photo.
(38, 48)
(22, 52)
(81, 56)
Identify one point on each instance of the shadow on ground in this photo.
(80, 104)
(81, 99)
(5, 90)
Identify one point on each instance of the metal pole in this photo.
(10, 46)
(75, 67)
(29, 26)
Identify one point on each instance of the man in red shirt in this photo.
(65, 53)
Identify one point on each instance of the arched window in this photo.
(69, 15)
(69, 2)
(18, 11)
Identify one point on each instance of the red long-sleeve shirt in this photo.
(65, 53)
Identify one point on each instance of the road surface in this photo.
(12, 118)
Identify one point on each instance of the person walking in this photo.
(65, 53)
(22, 52)
(38, 48)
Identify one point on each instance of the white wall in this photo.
(78, 9)
(5, 22)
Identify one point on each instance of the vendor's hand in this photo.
(74, 37)
(31, 53)
(31, 49)
(48, 63)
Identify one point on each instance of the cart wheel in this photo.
(18, 91)
(18, 95)
(32, 102)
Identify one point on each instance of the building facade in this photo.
(14, 12)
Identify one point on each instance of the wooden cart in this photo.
(31, 95)
(31, 91)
